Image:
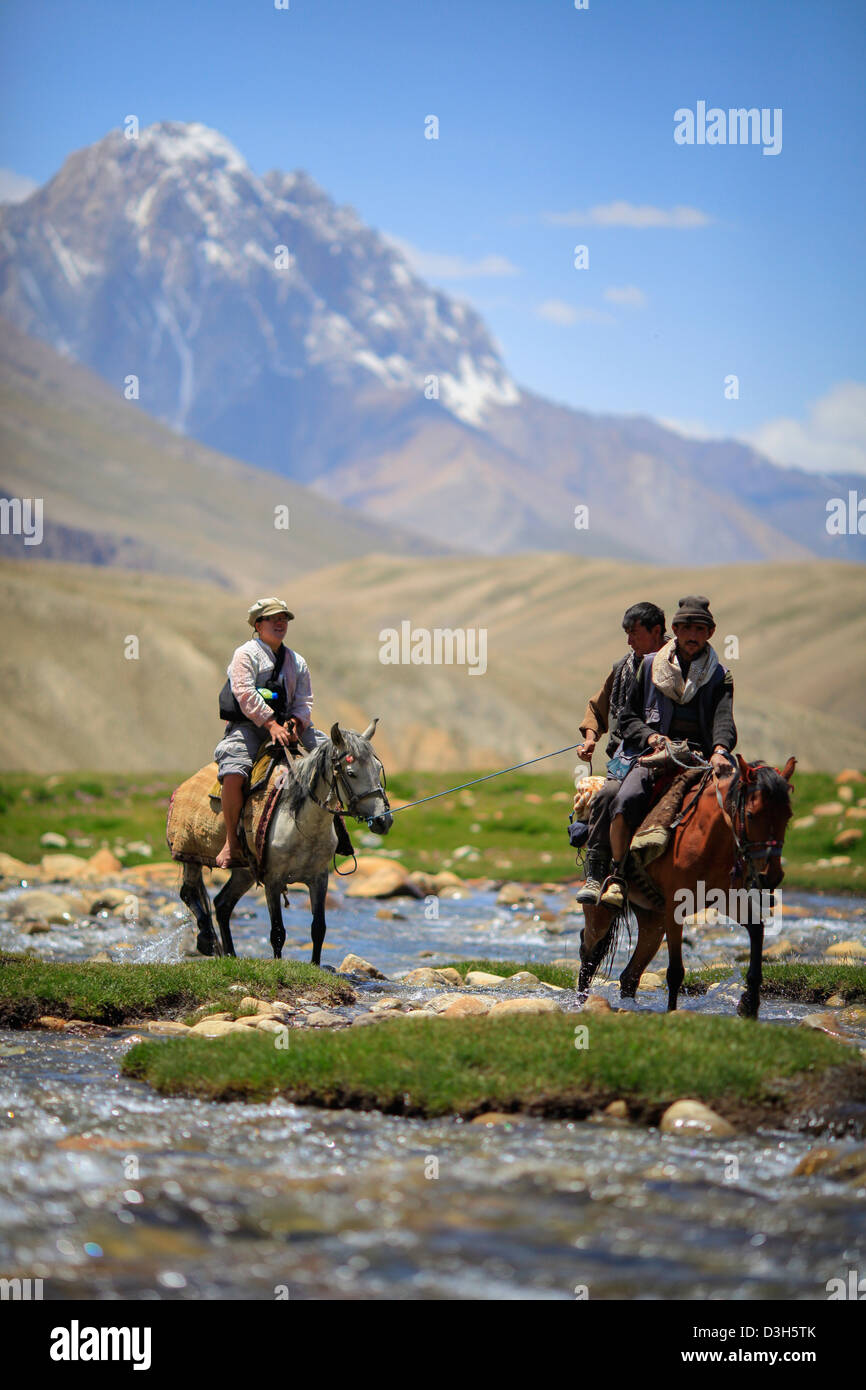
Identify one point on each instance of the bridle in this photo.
(746, 851)
(340, 782)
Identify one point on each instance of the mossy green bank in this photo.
(116, 994)
(554, 1065)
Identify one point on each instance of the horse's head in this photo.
(360, 777)
(764, 809)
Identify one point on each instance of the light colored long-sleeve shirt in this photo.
(252, 665)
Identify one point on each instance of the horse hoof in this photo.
(204, 945)
(745, 1009)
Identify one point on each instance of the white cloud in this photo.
(14, 188)
(623, 214)
(831, 440)
(628, 295)
(440, 265)
(692, 429)
(557, 311)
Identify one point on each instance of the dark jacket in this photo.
(651, 712)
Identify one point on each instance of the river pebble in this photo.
(694, 1116)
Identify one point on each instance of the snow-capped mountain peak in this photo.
(168, 254)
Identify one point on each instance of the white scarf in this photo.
(667, 674)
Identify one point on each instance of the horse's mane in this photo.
(304, 771)
(772, 784)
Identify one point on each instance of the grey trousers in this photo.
(630, 798)
(239, 747)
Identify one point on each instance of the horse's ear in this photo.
(336, 735)
(788, 769)
(370, 729)
(745, 770)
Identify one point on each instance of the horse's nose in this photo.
(380, 825)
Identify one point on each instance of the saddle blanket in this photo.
(195, 828)
(653, 835)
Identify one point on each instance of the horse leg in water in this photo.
(650, 933)
(275, 912)
(751, 997)
(318, 927)
(227, 900)
(676, 972)
(194, 894)
(593, 943)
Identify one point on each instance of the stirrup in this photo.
(614, 892)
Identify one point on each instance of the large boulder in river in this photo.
(523, 1006)
(16, 868)
(474, 978)
(513, 895)
(104, 862)
(64, 867)
(38, 905)
(424, 976)
(356, 965)
(377, 877)
(465, 1005)
(434, 883)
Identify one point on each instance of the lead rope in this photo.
(474, 783)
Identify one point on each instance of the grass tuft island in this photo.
(116, 994)
(542, 1066)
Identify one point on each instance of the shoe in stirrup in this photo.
(597, 866)
(613, 890)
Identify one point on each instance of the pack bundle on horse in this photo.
(296, 839)
(729, 836)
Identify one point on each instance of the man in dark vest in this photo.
(644, 626)
(682, 694)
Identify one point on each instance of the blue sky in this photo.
(555, 129)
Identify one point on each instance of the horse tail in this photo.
(620, 921)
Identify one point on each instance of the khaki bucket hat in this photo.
(267, 608)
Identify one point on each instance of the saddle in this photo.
(260, 775)
(653, 835)
(195, 829)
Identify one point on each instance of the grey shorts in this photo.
(238, 749)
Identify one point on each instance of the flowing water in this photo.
(108, 1190)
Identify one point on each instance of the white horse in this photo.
(343, 772)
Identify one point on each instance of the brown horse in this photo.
(730, 838)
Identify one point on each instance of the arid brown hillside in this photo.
(72, 700)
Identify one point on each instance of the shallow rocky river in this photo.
(110, 1191)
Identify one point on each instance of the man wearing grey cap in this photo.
(681, 694)
(268, 697)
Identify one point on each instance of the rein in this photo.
(746, 851)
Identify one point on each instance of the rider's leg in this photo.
(620, 838)
(627, 810)
(598, 843)
(235, 754)
(232, 804)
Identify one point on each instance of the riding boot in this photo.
(344, 844)
(613, 894)
(597, 865)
